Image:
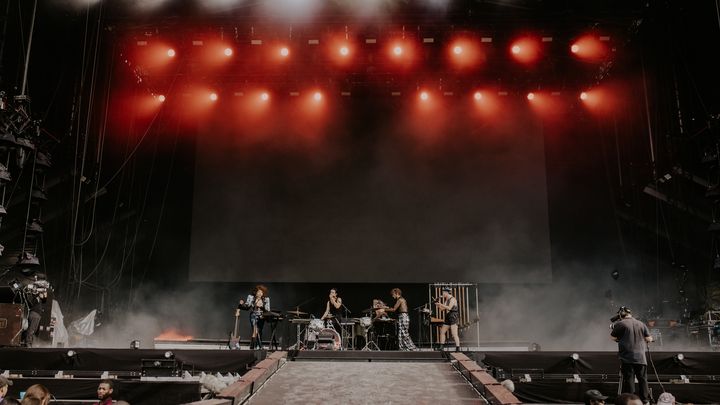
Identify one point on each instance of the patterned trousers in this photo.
(404, 341)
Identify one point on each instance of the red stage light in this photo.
(228, 51)
(531, 96)
(397, 50)
(317, 96)
(424, 96)
(477, 96)
(264, 96)
(526, 50)
(516, 49)
(213, 96)
(284, 51)
(344, 50)
(171, 53)
(457, 49)
(161, 98)
(589, 47)
(575, 48)
(583, 96)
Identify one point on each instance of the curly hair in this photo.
(261, 288)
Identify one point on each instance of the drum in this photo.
(328, 339)
(362, 326)
(316, 325)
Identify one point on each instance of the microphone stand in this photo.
(342, 327)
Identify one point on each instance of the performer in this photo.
(379, 308)
(632, 337)
(257, 302)
(403, 321)
(451, 317)
(37, 308)
(333, 310)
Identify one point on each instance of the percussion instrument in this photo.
(296, 313)
(328, 339)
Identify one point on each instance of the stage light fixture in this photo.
(531, 96)
(284, 51)
(213, 97)
(397, 50)
(228, 52)
(679, 357)
(317, 96)
(344, 50)
(457, 49)
(169, 355)
(583, 96)
(171, 53)
(161, 98)
(477, 96)
(575, 48)
(424, 96)
(71, 353)
(264, 96)
(516, 49)
(575, 356)
(135, 344)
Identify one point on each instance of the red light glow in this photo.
(526, 50)
(161, 98)
(171, 53)
(228, 52)
(589, 48)
(531, 96)
(424, 96)
(284, 52)
(213, 96)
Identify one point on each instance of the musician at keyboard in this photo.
(257, 303)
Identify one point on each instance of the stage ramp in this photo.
(375, 382)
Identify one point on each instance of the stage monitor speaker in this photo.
(11, 316)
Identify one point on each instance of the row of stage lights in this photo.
(464, 52)
(422, 95)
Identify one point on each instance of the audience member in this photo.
(628, 399)
(104, 392)
(666, 398)
(594, 397)
(39, 392)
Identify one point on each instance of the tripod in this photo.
(369, 344)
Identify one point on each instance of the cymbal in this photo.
(370, 310)
(296, 313)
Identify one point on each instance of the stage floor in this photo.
(376, 382)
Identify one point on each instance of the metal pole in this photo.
(27, 54)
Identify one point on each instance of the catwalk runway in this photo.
(321, 382)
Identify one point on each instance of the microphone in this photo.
(615, 318)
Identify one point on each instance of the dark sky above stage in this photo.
(378, 193)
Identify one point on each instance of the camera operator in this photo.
(37, 308)
(632, 337)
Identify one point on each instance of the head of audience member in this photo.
(666, 398)
(11, 401)
(509, 385)
(4, 386)
(31, 401)
(105, 389)
(39, 392)
(628, 399)
(594, 397)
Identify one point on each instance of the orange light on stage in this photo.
(583, 96)
(344, 50)
(284, 52)
(531, 96)
(465, 53)
(457, 50)
(317, 97)
(213, 97)
(264, 96)
(424, 96)
(589, 48)
(397, 50)
(228, 52)
(171, 53)
(478, 96)
(526, 50)
(161, 98)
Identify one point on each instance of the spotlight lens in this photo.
(161, 98)
(397, 51)
(531, 96)
(575, 48)
(168, 354)
(477, 96)
(575, 356)
(228, 52)
(344, 51)
(264, 97)
(284, 52)
(584, 96)
(515, 49)
(424, 96)
(317, 96)
(213, 96)
(171, 53)
(457, 50)
(680, 356)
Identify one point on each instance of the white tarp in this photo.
(85, 325)
(60, 333)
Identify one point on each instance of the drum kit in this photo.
(322, 334)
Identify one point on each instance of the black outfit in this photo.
(632, 346)
(452, 315)
(337, 315)
(37, 309)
